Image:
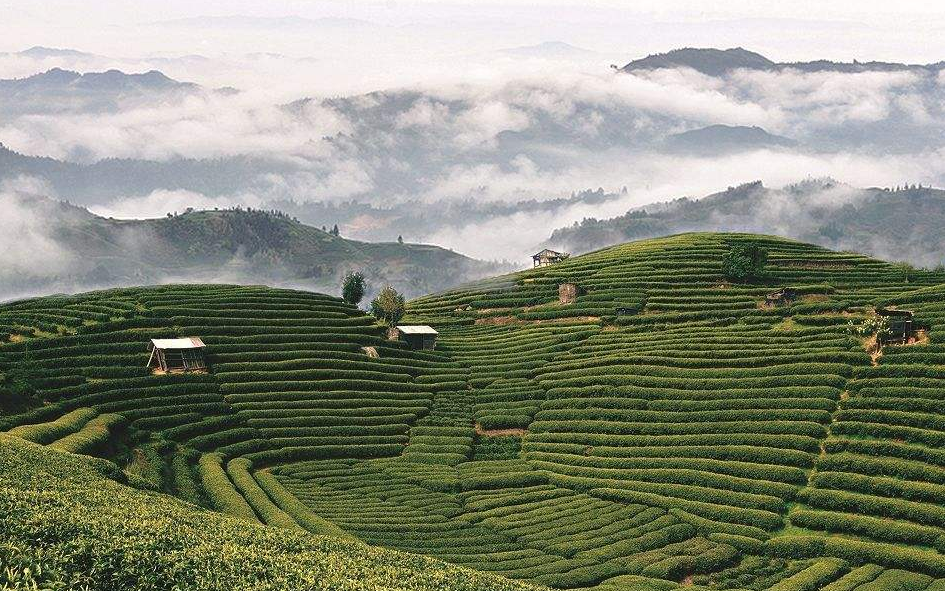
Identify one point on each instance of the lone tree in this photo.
(17, 392)
(352, 288)
(745, 262)
(388, 306)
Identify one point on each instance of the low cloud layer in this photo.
(28, 246)
(162, 203)
(524, 129)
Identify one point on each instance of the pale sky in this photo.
(906, 30)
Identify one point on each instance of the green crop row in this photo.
(223, 495)
(46, 433)
(92, 436)
(871, 505)
(857, 552)
(239, 471)
(880, 529)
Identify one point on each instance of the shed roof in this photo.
(184, 343)
(549, 252)
(417, 329)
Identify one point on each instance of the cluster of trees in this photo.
(745, 262)
(906, 187)
(269, 212)
(388, 307)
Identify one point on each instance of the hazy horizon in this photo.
(344, 111)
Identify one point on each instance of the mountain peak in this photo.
(40, 51)
(709, 61)
(718, 62)
(58, 78)
(725, 138)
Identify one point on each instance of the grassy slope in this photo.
(68, 525)
(700, 436)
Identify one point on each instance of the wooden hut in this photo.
(548, 257)
(783, 297)
(177, 355)
(902, 327)
(569, 292)
(417, 337)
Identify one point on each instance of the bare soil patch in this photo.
(498, 320)
(161, 372)
(812, 265)
(514, 320)
(921, 338)
(500, 432)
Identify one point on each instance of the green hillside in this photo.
(901, 224)
(698, 438)
(231, 245)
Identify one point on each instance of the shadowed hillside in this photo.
(248, 246)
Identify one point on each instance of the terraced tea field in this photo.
(696, 439)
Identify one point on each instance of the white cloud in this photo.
(423, 113)
(202, 125)
(160, 203)
(654, 178)
(29, 246)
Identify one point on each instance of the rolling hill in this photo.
(248, 246)
(665, 429)
(59, 91)
(899, 224)
(718, 62)
(716, 139)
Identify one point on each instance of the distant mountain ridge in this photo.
(59, 79)
(725, 138)
(102, 181)
(242, 245)
(42, 52)
(58, 90)
(902, 224)
(718, 62)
